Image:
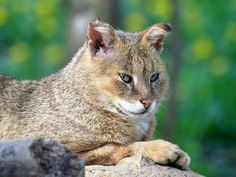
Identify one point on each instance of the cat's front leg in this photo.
(162, 152)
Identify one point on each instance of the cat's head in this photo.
(127, 73)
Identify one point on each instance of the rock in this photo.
(38, 158)
(138, 166)
(47, 158)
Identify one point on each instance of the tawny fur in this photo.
(74, 105)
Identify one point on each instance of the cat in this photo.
(102, 104)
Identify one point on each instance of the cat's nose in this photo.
(146, 103)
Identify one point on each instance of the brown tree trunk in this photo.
(175, 64)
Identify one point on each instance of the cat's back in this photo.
(4, 82)
(14, 93)
(8, 87)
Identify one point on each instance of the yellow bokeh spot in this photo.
(45, 8)
(19, 52)
(47, 27)
(162, 8)
(230, 31)
(54, 54)
(202, 48)
(219, 65)
(135, 22)
(3, 16)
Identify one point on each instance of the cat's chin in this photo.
(134, 110)
(138, 112)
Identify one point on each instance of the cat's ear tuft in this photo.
(155, 36)
(100, 37)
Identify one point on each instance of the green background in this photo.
(32, 45)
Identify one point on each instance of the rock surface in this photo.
(47, 158)
(38, 158)
(138, 166)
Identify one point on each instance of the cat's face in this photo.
(132, 79)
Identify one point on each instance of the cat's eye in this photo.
(126, 78)
(154, 77)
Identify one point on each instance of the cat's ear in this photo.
(100, 37)
(155, 35)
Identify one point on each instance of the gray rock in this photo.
(47, 158)
(38, 158)
(138, 166)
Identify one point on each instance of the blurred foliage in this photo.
(32, 45)
(31, 37)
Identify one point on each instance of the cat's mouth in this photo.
(133, 109)
(121, 109)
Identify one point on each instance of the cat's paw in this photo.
(166, 153)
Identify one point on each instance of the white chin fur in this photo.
(135, 108)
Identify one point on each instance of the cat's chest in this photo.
(142, 127)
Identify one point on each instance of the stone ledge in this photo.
(138, 166)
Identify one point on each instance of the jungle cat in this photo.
(102, 104)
